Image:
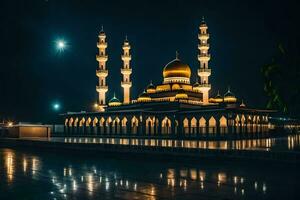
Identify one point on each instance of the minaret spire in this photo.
(126, 71)
(204, 70)
(102, 72)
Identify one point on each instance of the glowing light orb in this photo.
(56, 106)
(61, 45)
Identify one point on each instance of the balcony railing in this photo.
(206, 46)
(126, 83)
(204, 70)
(102, 44)
(205, 85)
(126, 57)
(101, 72)
(101, 87)
(203, 36)
(126, 70)
(101, 58)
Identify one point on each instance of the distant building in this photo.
(176, 108)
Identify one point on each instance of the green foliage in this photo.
(282, 81)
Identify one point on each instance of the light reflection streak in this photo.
(9, 159)
(172, 177)
(247, 144)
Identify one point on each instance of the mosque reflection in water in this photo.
(290, 143)
(88, 179)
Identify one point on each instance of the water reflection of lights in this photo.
(202, 175)
(263, 144)
(9, 159)
(34, 165)
(264, 188)
(74, 185)
(93, 179)
(221, 178)
(24, 165)
(90, 182)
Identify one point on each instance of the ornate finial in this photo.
(151, 83)
(242, 104)
(102, 30)
(177, 55)
(126, 39)
(114, 94)
(203, 20)
(228, 89)
(218, 93)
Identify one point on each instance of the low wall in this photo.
(28, 131)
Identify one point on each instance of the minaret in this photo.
(203, 57)
(102, 71)
(126, 71)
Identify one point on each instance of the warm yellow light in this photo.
(10, 124)
(96, 105)
(114, 103)
(144, 99)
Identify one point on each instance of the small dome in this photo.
(176, 68)
(218, 98)
(181, 94)
(229, 97)
(144, 97)
(196, 85)
(151, 88)
(242, 104)
(114, 101)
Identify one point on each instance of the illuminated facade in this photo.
(102, 72)
(175, 108)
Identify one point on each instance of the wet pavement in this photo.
(52, 175)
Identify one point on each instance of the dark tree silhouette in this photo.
(282, 80)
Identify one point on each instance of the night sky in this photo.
(244, 36)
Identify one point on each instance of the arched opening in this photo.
(193, 126)
(108, 125)
(66, 121)
(223, 125)
(237, 124)
(249, 124)
(202, 125)
(95, 127)
(212, 124)
(124, 125)
(81, 126)
(243, 119)
(116, 126)
(186, 126)
(149, 126)
(166, 126)
(87, 126)
(134, 125)
(101, 125)
(70, 126)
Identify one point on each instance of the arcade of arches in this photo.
(168, 125)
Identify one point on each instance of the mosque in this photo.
(176, 108)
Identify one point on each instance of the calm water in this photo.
(49, 175)
(290, 143)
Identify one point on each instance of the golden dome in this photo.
(176, 68)
(181, 94)
(229, 97)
